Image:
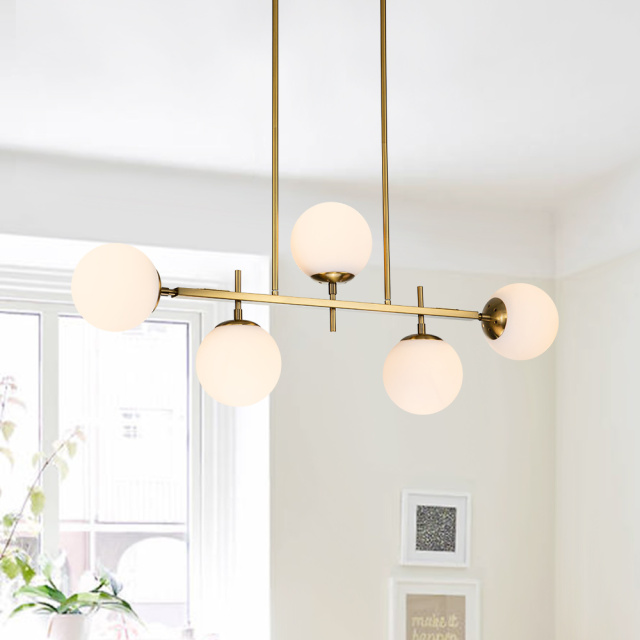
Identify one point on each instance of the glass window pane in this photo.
(19, 405)
(125, 502)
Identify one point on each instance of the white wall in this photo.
(598, 521)
(91, 200)
(598, 424)
(342, 453)
(600, 222)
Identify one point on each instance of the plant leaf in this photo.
(8, 454)
(37, 501)
(107, 578)
(72, 448)
(40, 592)
(8, 381)
(9, 567)
(104, 581)
(116, 585)
(124, 607)
(7, 428)
(17, 402)
(46, 568)
(99, 600)
(38, 458)
(120, 607)
(62, 466)
(24, 607)
(8, 520)
(27, 571)
(79, 601)
(36, 607)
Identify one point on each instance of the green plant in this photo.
(47, 598)
(15, 561)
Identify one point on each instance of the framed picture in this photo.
(436, 529)
(434, 610)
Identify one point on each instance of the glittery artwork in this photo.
(436, 617)
(435, 528)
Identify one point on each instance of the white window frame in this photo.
(213, 554)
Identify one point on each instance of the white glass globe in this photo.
(422, 376)
(331, 237)
(532, 322)
(115, 287)
(238, 364)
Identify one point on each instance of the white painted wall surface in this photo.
(90, 200)
(342, 453)
(598, 423)
(600, 223)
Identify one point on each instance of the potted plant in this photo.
(19, 529)
(70, 614)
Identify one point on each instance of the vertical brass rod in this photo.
(274, 153)
(385, 156)
(333, 290)
(237, 313)
(421, 327)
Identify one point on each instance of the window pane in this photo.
(20, 405)
(125, 502)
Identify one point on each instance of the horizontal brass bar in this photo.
(216, 294)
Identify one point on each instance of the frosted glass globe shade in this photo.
(422, 376)
(532, 322)
(238, 364)
(331, 237)
(115, 287)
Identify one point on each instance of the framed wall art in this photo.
(436, 529)
(434, 610)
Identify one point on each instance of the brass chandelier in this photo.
(115, 287)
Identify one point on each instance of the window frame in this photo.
(212, 443)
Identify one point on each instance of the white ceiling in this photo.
(495, 97)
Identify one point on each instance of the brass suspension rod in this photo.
(333, 304)
(237, 313)
(217, 294)
(385, 155)
(274, 153)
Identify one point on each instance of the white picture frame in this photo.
(446, 548)
(411, 598)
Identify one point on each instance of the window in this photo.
(19, 366)
(170, 491)
(125, 502)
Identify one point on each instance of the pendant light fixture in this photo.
(238, 363)
(116, 287)
(331, 242)
(533, 321)
(422, 373)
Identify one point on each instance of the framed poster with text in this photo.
(441, 610)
